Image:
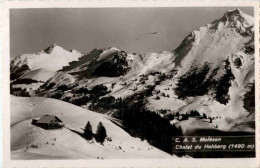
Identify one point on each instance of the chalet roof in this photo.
(47, 119)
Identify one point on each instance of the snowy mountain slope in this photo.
(215, 41)
(107, 54)
(40, 67)
(138, 66)
(38, 74)
(64, 143)
(53, 58)
(232, 40)
(83, 61)
(62, 78)
(228, 40)
(110, 63)
(32, 80)
(119, 61)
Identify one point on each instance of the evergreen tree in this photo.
(101, 133)
(210, 120)
(194, 82)
(88, 131)
(222, 90)
(157, 98)
(204, 116)
(177, 114)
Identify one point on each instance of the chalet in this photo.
(48, 122)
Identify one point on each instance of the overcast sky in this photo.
(129, 29)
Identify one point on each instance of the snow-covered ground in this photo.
(38, 75)
(64, 143)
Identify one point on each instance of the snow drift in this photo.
(31, 142)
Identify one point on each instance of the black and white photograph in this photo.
(132, 83)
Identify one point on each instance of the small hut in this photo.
(48, 122)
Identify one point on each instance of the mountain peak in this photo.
(54, 45)
(236, 18)
(233, 14)
(49, 49)
(113, 48)
(234, 11)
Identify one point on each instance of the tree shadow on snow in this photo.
(77, 132)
